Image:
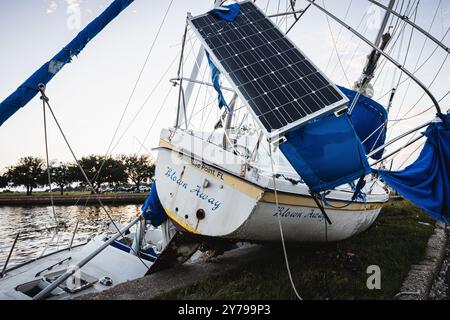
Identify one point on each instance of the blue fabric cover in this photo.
(215, 75)
(367, 117)
(229, 15)
(29, 88)
(426, 182)
(326, 153)
(152, 208)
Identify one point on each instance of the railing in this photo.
(9, 256)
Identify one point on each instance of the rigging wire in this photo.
(134, 89)
(355, 51)
(156, 117)
(411, 154)
(286, 259)
(419, 57)
(335, 46)
(46, 101)
(420, 67)
(422, 112)
(429, 86)
(147, 99)
(208, 89)
(278, 11)
(417, 62)
(404, 147)
(399, 33)
(48, 167)
(401, 73)
(339, 35)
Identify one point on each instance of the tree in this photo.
(115, 171)
(138, 168)
(29, 172)
(3, 181)
(62, 175)
(112, 171)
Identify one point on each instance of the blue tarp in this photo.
(153, 209)
(29, 88)
(326, 153)
(367, 117)
(426, 182)
(228, 15)
(215, 75)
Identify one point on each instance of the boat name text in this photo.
(197, 190)
(299, 214)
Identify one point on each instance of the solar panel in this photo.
(280, 85)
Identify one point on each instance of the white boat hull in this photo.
(117, 265)
(206, 200)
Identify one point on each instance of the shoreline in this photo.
(71, 200)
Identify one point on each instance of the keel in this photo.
(180, 248)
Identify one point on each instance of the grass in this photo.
(396, 241)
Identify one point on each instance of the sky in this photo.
(90, 94)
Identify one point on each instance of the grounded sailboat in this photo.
(291, 156)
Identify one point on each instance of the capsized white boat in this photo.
(292, 166)
(207, 190)
(102, 263)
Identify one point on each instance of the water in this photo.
(37, 227)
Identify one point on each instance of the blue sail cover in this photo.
(29, 88)
(326, 153)
(152, 208)
(368, 118)
(215, 75)
(228, 15)
(426, 182)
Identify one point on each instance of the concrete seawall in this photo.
(421, 277)
(70, 200)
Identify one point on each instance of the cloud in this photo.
(51, 7)
(74, 12)
(73, 4)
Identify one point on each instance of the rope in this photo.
(48, 167)
(46, 101)
(286, 259)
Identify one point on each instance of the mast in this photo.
(414, 25)
(384, 24)
(382, 39)
(383, 53)
(181, 103)
(30, 88)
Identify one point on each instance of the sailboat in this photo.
(290, 156)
